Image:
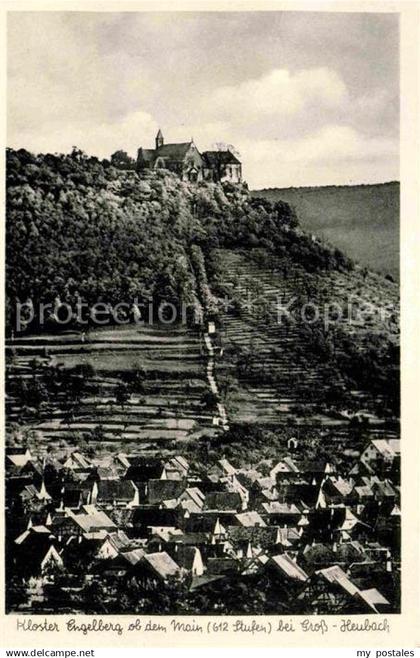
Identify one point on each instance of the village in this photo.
(327, 542)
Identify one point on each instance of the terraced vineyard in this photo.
(168, 406)
(279, 375)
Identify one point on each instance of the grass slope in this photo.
(362, 220)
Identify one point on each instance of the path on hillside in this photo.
(212, 380)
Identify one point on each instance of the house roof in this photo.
(173, 151)
(373, 597)
(387, 447)
(160, 490)
(223, 500)
(165, 533)
(178, 463)
(206, 522)
(289, 567)
(275, 507)
(265, 483)
(78, 459)
(264, 536)
(318, 554)
(336, 576)
(162, 564)
(194, 494)
(185, 555)
(121, 517)
(118, 540)
(205, 579)
(154, 516)
(350, 552)
(226, 466)
(384, 487)
(140, 468)
(95, 520)
(215, 158)
(37, 530)
(133, 556)
(20, 459)
(110, 490)
(250, 519)
(364, 491)
(344, 487)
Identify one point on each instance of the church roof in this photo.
(172, 151)
(214, 158)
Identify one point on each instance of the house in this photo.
(250, 519)
(331, 591)
(147, 516)
(222, 469)
(284, 469)
(18, 456)
(222, 166)
(52, 559)
(380, 453)
(176, 468)
(159, 490)
(373, 600)
(189, 558)
(290, 576)
(74, 495)
(209, 524)
(92, 521)
(281, 513)
(317, 556)
(140, 469)
(31, 548)
(30, 495)
(191, 501)
(226, 501)
(77, 462)
(113, 545)
(241, 537)
(116, 493)
(334, 592)
(185, 160)
(153, 569)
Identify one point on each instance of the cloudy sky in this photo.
(307, 98)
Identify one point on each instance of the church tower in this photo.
(159, 139)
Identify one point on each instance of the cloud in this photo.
(279, 94)
(320, 158)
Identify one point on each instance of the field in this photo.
(168, 407)
(278, 375)
(362, 220)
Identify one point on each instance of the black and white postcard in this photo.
(203, 367)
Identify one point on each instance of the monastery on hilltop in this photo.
(188, 163)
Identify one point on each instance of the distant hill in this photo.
(362, 220)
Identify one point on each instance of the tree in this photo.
(122, 160)
(122, 395)
(209, 399)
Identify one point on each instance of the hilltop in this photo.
(80, 231)
(363, 220)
